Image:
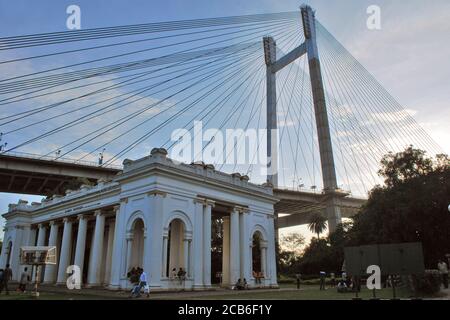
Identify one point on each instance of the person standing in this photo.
(443, 270)
(7, 275)
(298, 278)
(333, 280)
(24, 279)
(323, 275)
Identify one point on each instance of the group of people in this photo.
(179, 275)
(241, 284)
(6, 276)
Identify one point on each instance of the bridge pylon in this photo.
(309, 47)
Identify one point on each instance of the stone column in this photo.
(129, 252)
(97, 249)
(207, 243)
(186, 255)
(41, 242)
(164, 256)
(42, 234)
(66, 247)
(243, 244)
(116, 260)
(226, 252)
(81, 243)
(235, 264)
(50, 270)
(109, 250)
(264, 260)
(197, 239)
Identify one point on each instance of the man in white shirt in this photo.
(443, 270)
(142, 283)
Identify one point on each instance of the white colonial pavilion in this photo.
(157, 215)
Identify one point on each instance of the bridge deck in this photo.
(30, 174)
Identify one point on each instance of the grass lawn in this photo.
(287, 292)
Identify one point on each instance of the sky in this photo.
(408, 56)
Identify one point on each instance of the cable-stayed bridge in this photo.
(99, 96)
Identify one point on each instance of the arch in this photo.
(259, 228)
(180, 215)
(136, 229)
(258, 254)
(177, 243)
(135, 216)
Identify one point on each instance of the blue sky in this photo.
(409, 55)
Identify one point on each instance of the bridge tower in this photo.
(309, 47)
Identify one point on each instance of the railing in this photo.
(57, 159)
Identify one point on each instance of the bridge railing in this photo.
(62, 160)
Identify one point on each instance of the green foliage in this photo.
(411, 207)
(428, 283)
(318, 224)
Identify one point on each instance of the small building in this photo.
(157, 215)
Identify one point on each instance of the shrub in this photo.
(427, 284)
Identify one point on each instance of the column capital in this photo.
(41, 225)
(124, 200)
(67, 220)
(52, 223)
(129, 236)
(98, 212)
(157, 193)
(199, 201)
(116, 209)
(81, 216)
(241, 209)
(210, 203)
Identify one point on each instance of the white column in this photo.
(155, 229)
(81, 242)
(42, 234)
(207, 243)
(197, 239)
(129, 252)
(114, 282)
(97, 249)
(186, 255)
(263, 260)
(50, 270)
(243, 241)
(226, 252)
(66, 246)
(164, 256)
(235, 264)
(41, 242)
(109, 250)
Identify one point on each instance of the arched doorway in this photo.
(8, 253)
(177, 248)
(259, 251)
(137, 247)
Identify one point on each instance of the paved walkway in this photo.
(111, 294)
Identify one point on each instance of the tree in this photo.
(317, 224)
(402, 166)
(291, 246)
(410, 207)
(293, 242)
